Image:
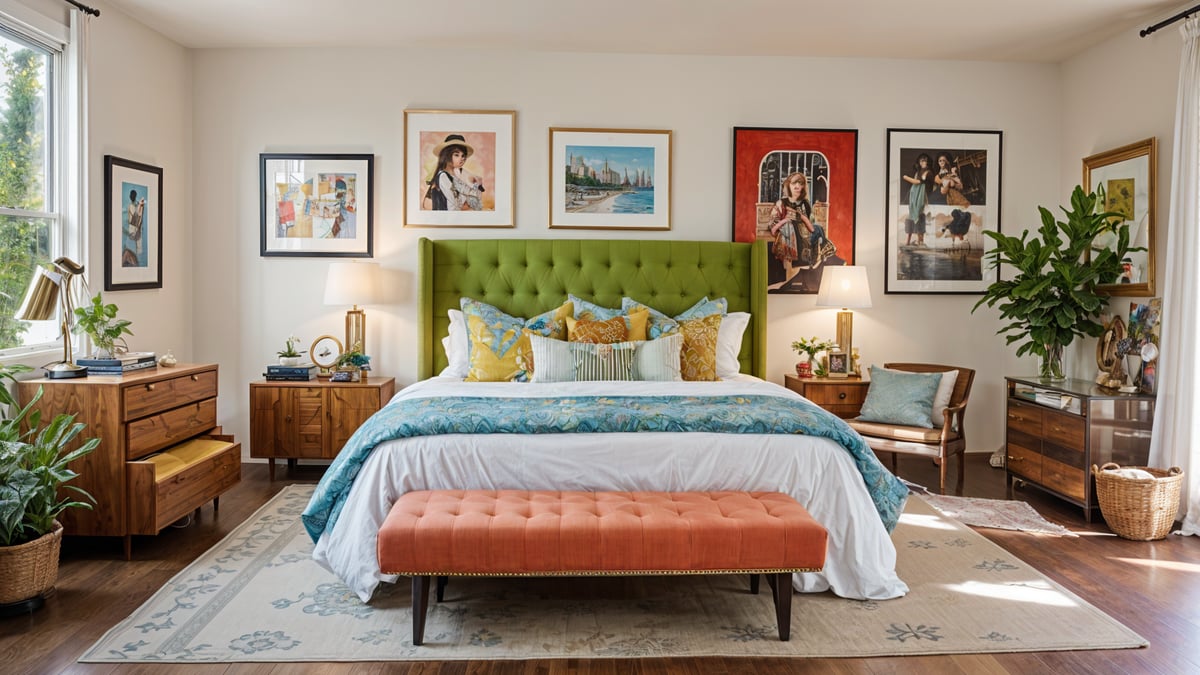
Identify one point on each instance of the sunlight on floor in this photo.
(1171, 565)
(1038, 592)
(930, 521)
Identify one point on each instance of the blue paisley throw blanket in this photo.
(723, 414)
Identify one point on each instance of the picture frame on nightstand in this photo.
(838, 364)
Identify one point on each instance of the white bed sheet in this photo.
(860, 560)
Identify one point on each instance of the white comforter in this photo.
(860, 562)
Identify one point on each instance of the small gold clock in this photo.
(324, 352)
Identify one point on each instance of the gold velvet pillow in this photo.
(631, 326)
(698, 357)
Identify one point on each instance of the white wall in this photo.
(140, 108)
(352, 100)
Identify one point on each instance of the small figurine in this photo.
(167, 360)
(855, 364)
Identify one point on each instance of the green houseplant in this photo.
(353, 358)
(811, 346)
(33, 472)
(289, 356)
(100, 323)
(1053, 297)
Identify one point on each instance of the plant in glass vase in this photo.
(100, 323)
(811, 347)
(1053, 297)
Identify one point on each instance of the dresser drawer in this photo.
(161, 493)
(151, 397)
(165, 429)
(1064, 430)
(1026, 418)
(1022, 461)
(1064, 479)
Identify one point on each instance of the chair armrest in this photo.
(950, 415)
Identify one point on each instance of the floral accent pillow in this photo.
(698, 356)
(606, 332)
(498, 349)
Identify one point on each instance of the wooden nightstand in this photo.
(841, 396)
(310, 420)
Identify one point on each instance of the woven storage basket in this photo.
(1140, 509)
(30, 569)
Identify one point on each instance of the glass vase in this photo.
(1051, 367)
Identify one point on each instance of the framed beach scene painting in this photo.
(943, 193)
(459, 167)
(796, 189)
(610, 179)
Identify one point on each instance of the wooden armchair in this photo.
(940, 442)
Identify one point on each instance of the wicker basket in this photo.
(29, 569)
(1139, 509)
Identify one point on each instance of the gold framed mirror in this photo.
(1128, 175)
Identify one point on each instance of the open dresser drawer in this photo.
(167, 486)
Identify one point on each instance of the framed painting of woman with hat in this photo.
(458, 168)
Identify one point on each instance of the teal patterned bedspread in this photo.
(751, 414)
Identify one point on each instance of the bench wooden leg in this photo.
(420, 604)
(441, 587)
(783, 604)
(754, 584)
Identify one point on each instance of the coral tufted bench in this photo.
(548, 533)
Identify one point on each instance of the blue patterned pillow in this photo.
(896, 397)
(498, 343)
(590, 311)
(661, 324)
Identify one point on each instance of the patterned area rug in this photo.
(257, 596)
(998, 513)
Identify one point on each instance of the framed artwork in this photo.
(839, 364)
(796, 188)
(316, 205)
(610, 179)
(943, 192)
(133, 210)
(459, 168)
(1128, 176)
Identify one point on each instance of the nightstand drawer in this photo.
(156, 432)
(834, 394)
(151, 397)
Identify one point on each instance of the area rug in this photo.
(257, 596)
(1003, 514)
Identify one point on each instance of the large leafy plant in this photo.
(100, 323)
(1053, 297)
(33, 466)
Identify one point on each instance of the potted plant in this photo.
(100, 323)
(33, 470)
(353, 360)
(811, 346)
(289, 356)
(1053, 297)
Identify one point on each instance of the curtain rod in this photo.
(83, 8)
(1146, 31)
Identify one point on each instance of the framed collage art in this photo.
(459, 168)
(796, 188)
(133, 228)
(943, 192)
(315, 205)
(610, 179)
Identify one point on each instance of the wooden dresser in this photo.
(1056, 431)
(313, 419)
(161, 453)
(841, 396)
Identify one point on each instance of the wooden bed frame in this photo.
(525, 277)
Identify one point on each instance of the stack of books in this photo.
(300, 373)
(119, 365)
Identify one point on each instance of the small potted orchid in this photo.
(289, 356)
(811, 347)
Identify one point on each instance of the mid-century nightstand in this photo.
(841, 396)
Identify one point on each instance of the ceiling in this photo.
(993, 30)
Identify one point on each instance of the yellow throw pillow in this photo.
(609, 331)
(698, 356)
(499, 350)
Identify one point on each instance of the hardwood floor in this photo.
(1152, 587)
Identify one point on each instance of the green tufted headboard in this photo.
(525, 277)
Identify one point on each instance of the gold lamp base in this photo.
(356, 330)
(845, 329)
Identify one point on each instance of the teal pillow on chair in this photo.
(896, 397)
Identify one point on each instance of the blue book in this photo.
(304, 369)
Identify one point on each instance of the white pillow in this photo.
(941, 398)
(457, 346)
(729, 343)
(658, 360)
(555, 360)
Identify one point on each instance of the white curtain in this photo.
(1176, 440)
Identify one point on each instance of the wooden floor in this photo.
(1152, 587)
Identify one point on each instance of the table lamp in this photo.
(844, 286)
(50, 290)
(353, 283)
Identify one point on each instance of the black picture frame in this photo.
(133, 225)
(316, 205)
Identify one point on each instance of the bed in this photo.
(775, 440)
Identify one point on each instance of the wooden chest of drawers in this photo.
(137, 416)
(1054, 448)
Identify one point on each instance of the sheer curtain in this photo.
(1176, 440)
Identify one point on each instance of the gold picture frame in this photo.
(610, 179)
(325, 351)
(1129, 176)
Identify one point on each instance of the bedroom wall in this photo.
(351, 100)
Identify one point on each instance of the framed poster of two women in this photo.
(796, 189)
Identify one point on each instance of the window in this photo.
(32, 205)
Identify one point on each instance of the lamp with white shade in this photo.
(353, 283)
(844, 286)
